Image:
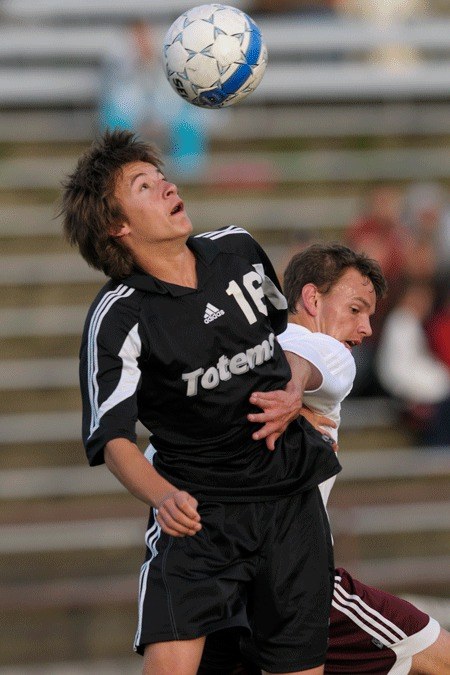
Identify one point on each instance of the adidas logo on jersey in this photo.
(212, 313)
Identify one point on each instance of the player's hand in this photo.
(177, 514)
(279, 408)
(319, 421)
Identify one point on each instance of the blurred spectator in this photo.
(136, 95)
(384, 13)
(296, 7)
(409, 371)
(427, 215)
(379, 233)
(438, 326)
(130, 78)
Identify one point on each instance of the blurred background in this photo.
(346, 139)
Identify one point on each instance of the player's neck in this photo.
(301, 318)
(174, 265)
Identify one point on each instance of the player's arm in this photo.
(110, 375)
(280, 407)
(176, 509)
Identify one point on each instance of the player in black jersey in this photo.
(182, 338)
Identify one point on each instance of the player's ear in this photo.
(119, 230)
(309, 298)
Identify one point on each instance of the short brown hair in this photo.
(323, 265)
(89, 207)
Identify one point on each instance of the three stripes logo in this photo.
(212, 313)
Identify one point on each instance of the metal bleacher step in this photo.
(289, 77)
(334, 166)
(366, 465)
(274, 123)
(106, 533)
(22, 426)
(321, 211)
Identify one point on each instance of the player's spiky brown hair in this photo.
(90, 211)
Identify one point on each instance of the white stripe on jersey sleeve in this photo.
(129, 377)
(92, 366)
(218, 234)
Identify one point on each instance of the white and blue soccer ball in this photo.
(214, 55)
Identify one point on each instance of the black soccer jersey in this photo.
(185, 361)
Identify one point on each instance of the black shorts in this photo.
(264, 569)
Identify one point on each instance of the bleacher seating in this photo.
(324, 126)
(33, 75)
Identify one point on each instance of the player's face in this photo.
(344, 312)
(154, 212)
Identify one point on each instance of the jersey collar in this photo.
(205, 251)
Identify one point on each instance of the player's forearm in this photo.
(124, 459)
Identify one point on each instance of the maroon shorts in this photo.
(370, 632)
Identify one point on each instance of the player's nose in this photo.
(170, 188)
(365, 327)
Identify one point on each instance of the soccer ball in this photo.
(214, 55)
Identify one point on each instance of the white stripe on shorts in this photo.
(151, 539)
(368, 619)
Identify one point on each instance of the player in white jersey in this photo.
(331, 293)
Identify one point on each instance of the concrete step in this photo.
(396, 467)
(39, 454)
(236, 168)
(94, 549)
(24, 297)
(60, 425)
(22, 223)
(41, 346)
(366, 520)
(244, 124)
(45, 320)
(42, 373)
(77, 40)
(48, 85)
(69, 633)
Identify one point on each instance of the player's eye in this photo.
(354, 310)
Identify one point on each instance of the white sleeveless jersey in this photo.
(337, 367)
